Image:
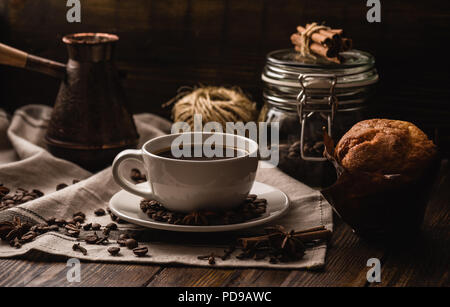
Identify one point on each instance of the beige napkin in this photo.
(24, 163)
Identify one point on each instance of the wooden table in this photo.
(423, 263)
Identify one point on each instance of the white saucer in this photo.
(126, 206)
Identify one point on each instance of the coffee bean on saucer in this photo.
(140, 251)
(113, 250)
(99, 212)
(131, 243)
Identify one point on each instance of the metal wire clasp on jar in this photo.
(305, 95)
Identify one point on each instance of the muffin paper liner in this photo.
(379, 206)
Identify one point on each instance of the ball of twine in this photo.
(214, 104)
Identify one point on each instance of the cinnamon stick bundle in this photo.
(324, 42)
(316, 233)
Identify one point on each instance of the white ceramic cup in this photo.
(190, 185)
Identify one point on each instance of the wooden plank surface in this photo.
(422, 263)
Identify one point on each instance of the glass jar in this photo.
(306, 96)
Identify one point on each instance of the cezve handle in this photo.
(17, 58)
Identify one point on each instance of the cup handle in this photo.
(127, 185)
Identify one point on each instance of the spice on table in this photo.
(14, 229)
(279, 244)
(78, 247)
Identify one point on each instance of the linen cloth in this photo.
(25, 163)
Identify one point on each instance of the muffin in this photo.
(387, 147)
(385, 174)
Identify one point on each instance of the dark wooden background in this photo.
(166, 44)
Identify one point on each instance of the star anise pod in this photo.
(285, 242)
(14, 229)
(195, 218)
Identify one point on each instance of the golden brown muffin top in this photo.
(385, 146)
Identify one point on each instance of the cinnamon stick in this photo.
(347, 44)
(332, 34)
(314, 47)
(331, 59)
(317, 233)
(317, 37)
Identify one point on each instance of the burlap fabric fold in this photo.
(25, 163)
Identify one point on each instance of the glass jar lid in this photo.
(284, 67)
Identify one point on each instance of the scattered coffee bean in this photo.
(78, 219)
(140, 251)
(122, 242)
(8, 200)
(3, 191)
(124, 236)
(99, 212)
(113, 217)
(79, 213)
(103, 240)
(113, 250)
(78, 247)
(96, 226)
(131, 243)
(53, 228)
(28, 237)
(112, 226)
(92, 239)
(75, 181)
(87, 226)
(60, 222)
(61, 186)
